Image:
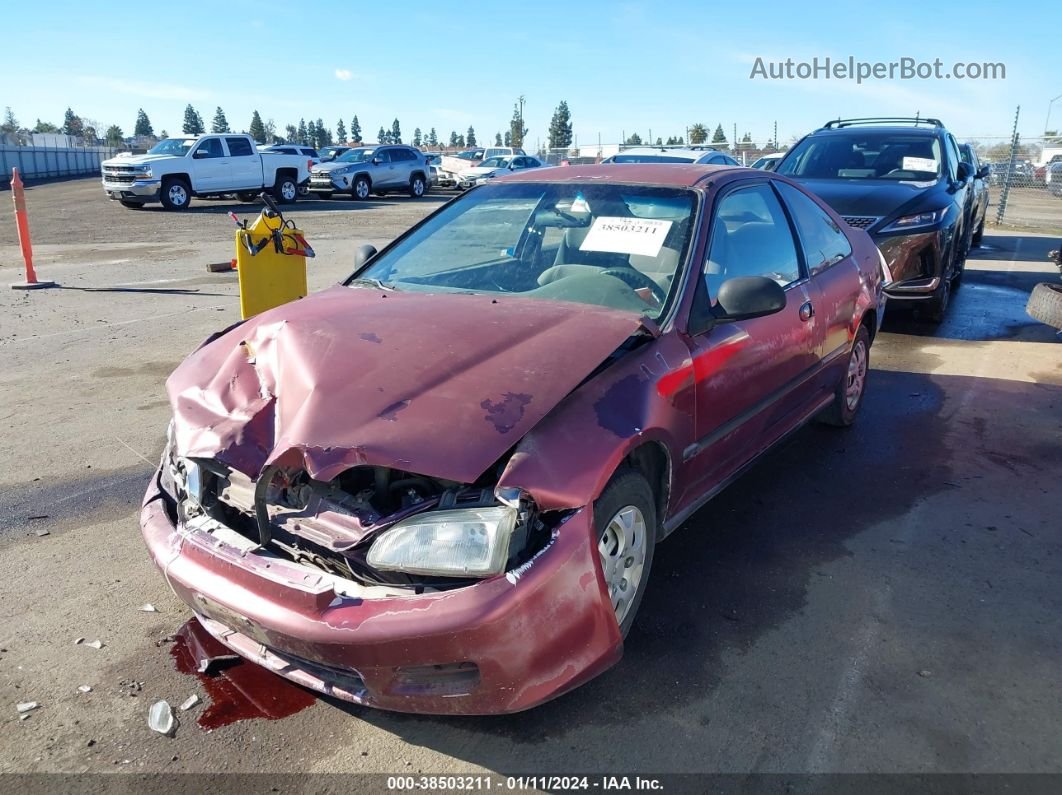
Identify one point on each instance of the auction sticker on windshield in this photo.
(919, 164)
(616, 235)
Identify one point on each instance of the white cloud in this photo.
(154, 90)
(344, 74)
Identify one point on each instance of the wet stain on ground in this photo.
(237, 691)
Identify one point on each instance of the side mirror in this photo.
(199, 154)
(362, 255)
(512, 166)
(745, 297)
(983, 172)
(377, 160)
(963, 172)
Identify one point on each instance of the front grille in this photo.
(860, 221)
(119, 178)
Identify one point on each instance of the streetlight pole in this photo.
(1047, 121)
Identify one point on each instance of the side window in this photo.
(823, 241)
(239, 147)
(402, 155)
(953, 156)
(751, 237)
(211, 147)
(382, 155)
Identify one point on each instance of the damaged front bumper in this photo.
(500, 645)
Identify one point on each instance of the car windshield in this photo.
(649, 158)
(495, 162)
(619, 246)
(864, 155)
(474, 154)
(355, 156)
(172, 146)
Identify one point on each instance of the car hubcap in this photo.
(622, 550)
(418, 187)
(857, 375)
(288, 190)
(178, 195)
(363, 190)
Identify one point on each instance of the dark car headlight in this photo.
(916, 221)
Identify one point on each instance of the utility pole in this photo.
(775, 134)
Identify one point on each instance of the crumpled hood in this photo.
(436, 384)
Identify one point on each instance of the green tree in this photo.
(382, 136)
(324, 135)
(699, 133)
(471, 137)
(72, 124)
(746, 141)
(45, 127)
(193, 122)
(461, 141)
(271, 132)
(291, 134)
(417, 139)
(560, 127)
(341, 131)
(633, 140)
(257, 129)
(453, 138)
(396, 132)
(433, 138)
(220, 123)
(164, 134)
(355, 129)
(517, 130)
(143, 128)
(311, 133)
(10, 124)
(497, 139)
(303, 132)
(114, 136)
(88, 135)
(659, 141)
(508, 140)
(719, 137)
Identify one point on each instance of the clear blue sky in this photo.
(622, 67)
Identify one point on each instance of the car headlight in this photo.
(470, 542)
(144, 173)
(916, 221)
(180, 476)
(344, 170)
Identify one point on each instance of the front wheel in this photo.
(361, 188)
(625, 522)
(416, 186)
(176, 195)
(286, 190)
(848, 396)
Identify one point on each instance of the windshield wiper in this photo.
(374, 283)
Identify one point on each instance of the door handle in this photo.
(807, 311)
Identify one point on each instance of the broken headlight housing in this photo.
(181, 478)
(469, 542)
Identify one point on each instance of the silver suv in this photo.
(372, 169)
(704, 155)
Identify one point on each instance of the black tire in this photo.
(417, 186)
(361, 188)
(176, 195)
(842, 412)
(936, 307)
(627, 489)
(131, 205)
(1045, 304)
(286, 190)
(247, 196)
(978, 235)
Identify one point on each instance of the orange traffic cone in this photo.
(22, 224)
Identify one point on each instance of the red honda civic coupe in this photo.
(437, 487)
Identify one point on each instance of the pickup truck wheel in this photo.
(416, 186)
(848, 396)
(361, 189)
(131, 205)
(247, 196)
(286, 190)
(176, 195)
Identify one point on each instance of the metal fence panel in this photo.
(43, 162)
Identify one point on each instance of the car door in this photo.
(383, 170)
(834, 274)
(751, 376)
(210, 166)
(245, 163)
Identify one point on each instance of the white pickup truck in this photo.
(176, 169)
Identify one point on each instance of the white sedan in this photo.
(494, 167)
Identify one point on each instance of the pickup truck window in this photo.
(239, 147)
(178, 147)
(211, 147)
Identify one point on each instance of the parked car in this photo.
(903, 181)
(979, 198)
(672, 154)
(372, 169)
(176, 169)
(496, 166)
(1053, 178)
(768, 162)
(1023, 174)
(438, 486)
(294, 149)
(332, 152)
(453, 166)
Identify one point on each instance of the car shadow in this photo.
(739, 568)
(1015, 248)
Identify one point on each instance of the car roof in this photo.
(693, 153)
(678, 175)
(898, 129)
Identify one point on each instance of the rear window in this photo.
(650, 159)
(239, 147)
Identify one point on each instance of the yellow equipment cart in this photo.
(271, 261)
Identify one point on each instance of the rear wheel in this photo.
(176, 195)
(286, 190)
(361, 188)
(417, 186)
(625, 522)
(848, 396)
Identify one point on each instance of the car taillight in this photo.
(309, 164)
